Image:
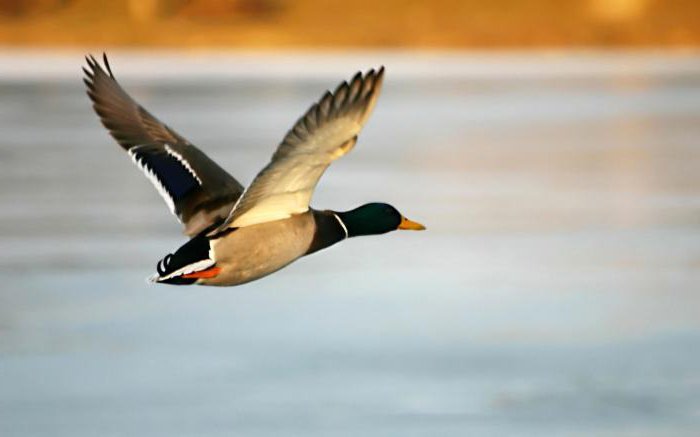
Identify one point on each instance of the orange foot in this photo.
(208, 273)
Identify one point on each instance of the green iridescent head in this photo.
(376, 218)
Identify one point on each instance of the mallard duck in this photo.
(239, 235)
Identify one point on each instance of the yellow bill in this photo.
(409, 225)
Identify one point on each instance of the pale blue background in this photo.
(554, 293)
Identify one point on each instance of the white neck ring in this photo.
(342, 225)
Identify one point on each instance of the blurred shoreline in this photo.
(20, 64)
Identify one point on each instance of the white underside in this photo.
(190, 268)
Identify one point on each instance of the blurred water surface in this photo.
(554, 293)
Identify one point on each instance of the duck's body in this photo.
(240, 235)
(249, 253)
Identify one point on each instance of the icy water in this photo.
(556, 291)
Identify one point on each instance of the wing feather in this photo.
(327, 131)
(196, 189)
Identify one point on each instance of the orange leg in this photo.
(208, 273)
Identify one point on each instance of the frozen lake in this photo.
(556, 291)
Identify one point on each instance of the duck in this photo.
(236, 234)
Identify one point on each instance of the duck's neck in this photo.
(353, 224)
(330, 229)
(334, 226)
(366, 220)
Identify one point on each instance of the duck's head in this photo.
(376, 218)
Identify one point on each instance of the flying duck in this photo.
(239, 235)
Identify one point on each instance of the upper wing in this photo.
(197, 190)
(326, 132)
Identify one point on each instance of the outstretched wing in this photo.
(196, 189)
(326, 132)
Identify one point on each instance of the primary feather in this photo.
(326, 132)
(198, 191)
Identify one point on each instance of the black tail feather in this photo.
(195, 250)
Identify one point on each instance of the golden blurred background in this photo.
(359, 23)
